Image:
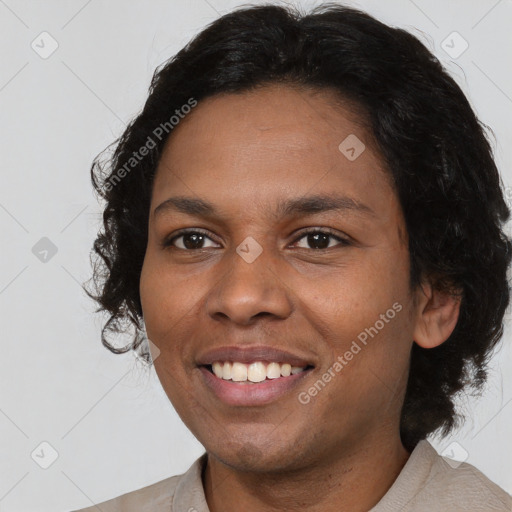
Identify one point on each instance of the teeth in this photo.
(226, 370)
(254, 372)
(239, 372)
(273, 371)
(218, 369)
(286, 370)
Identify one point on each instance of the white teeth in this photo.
(239, 372)
(273, 371)
(286, 370)
(226, 370)
(254, 372)
(218, 369)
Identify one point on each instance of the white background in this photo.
(109, 420)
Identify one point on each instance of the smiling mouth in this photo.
(255, 372)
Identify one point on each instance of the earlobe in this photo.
(437, 315)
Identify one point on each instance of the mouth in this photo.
(252, 376)
(255, 372)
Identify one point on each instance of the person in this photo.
(303, 232)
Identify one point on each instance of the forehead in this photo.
(266, 144)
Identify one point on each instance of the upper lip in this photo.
(251, 354)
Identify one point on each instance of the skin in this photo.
(244, 153)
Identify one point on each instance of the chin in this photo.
(250, 456)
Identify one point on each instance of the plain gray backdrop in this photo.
(79, 424)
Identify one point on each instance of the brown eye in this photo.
(320, 239)
(188, 240)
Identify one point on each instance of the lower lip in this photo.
(248, 393)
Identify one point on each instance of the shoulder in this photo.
(462, 486)
(152, 498)
(430, 482)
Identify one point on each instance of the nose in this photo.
(248, 291)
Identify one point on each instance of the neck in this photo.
(352, 481)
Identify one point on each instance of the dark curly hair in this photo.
(436, 151)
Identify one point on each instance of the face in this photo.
(270, 246)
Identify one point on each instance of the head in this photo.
(338, 154)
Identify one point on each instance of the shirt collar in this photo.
(189, 494)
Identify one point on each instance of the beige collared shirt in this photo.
(427, 483)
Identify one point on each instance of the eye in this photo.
(194, 239)
(189, 240)
(321, 239)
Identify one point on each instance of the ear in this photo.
(436, 316)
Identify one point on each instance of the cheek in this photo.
(173, 303)
(363, 314)
(166, 299)
(353, 299)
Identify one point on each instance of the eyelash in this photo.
(168, 243)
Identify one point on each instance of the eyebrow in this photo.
(285, 208)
